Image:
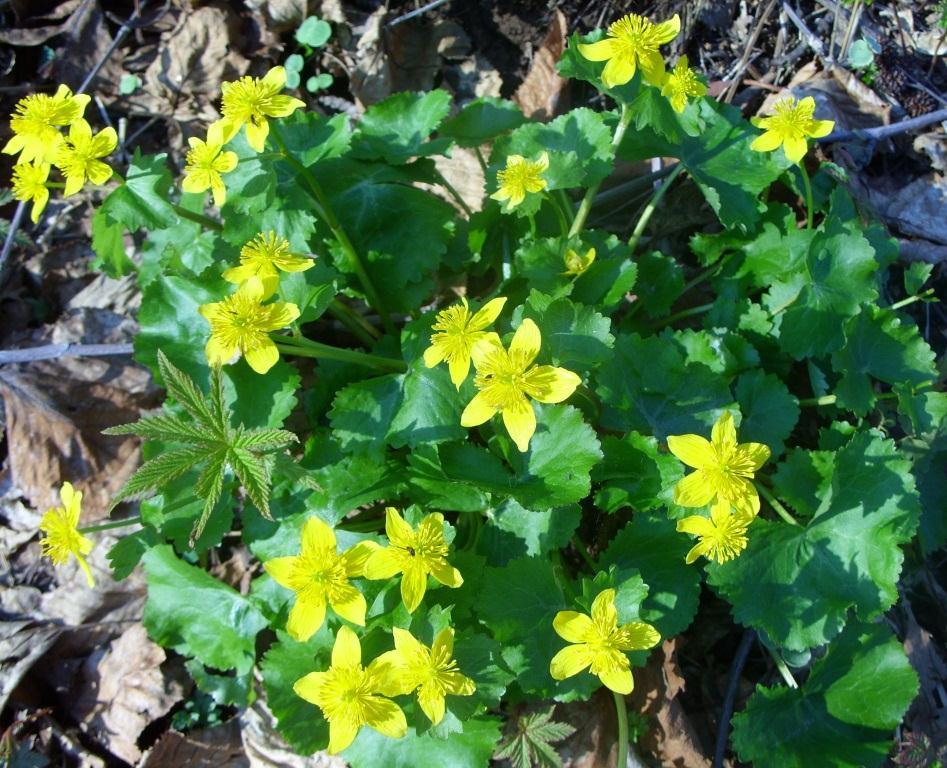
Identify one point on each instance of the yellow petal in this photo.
(256, 134)
(795, 148)
(346, 651)
(477, 411)
(316, 536)
(399, 533)
(217, 352)
(382, 564)
(444, 643)
(549, 384)
(604, 613)
(619, 71)
(283, 106)
(90, 579)
(445, 573)
(282, 570)
(434, 355)
(638, 636)
(388, 669)
(766, 142)
(308, 687)
(617, 679)
(405, 643)
(226, 162)
(385, 717)
(749, 457)
(487, 314)
(275, 79)
(698, 550)
(431, 700)
(520, 421)
(306, 615)
(570, 661)
(600, 51)
(696, 525)
(342, 733)
(526, 343)
(572, 626)
(349, 603)
(694, 490)
(459, 367)
(820, 128)
(218, 190)
(666, 31)
(413, 586)
(694, 450)
(724, 433)
(489, 345)
(356, 556)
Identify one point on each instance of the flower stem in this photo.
(584, 553)
(135, 520)
(357, 324)
(563, 225)
(198, 218)
(303, 347)
(776, 504)
(325, 212)
(585, 206)
(684, 313)
(911, 299)
(621, 711)
(652, 205)
(807, 186)
(814, 401)
(442, 180)
(481, 160)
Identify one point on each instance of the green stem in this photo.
(481, 160)
(303, 347)
(706, 274)
(585, 554)
(689, 312)
(563, 225)
(357, 324)
(453, 193)
(135, 520)
(783, 669)
(776, 504)
(911, 299)
(652, 205)
(621, 712)
(810, 402)
(198, 218)
(807, 185)
(566, 204)
(585, 206)
(325, 212)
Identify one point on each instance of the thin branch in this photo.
(884, 131)
(736, 668)
(812, 40)
(54, 351)
(417, 12)
(747, 52)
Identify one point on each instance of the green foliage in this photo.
(531, 743)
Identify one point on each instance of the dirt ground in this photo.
(80, 683)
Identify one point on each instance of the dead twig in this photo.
(747, 52)
(53, 351)
(812, 40)
(884, 131)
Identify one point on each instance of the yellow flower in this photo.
(632, 41)
(78, 156)
(506, 378)
(519, 177)
(680, 83)
(577, 264)
(724, 468)
(432, 672)
(241, 323)
(29, 183)
(456, 332)
(414, 553)
(250, 100)
(600, 643)
(206, 162)
(319, 574)
(60, 524)
(36, 120)
(790, 126)
(347, 694)
(722, 538)
(262, 257)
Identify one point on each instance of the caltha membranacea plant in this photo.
(507, 379)
(456, 330)
(349, 695)
(790, 127)
(519, 178)
(632, 43)
(62, 537)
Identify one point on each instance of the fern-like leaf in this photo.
(254, 474)
(159, 471)
(183, 389)
(530, 746)
(165, 427)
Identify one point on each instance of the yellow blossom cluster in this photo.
(37, 122)
(349, 693)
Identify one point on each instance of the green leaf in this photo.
(481, 120)
(574, 336)
(432, 487)
(797, 583)
(878, 346)
(803, 479)
(286, 661)
(225, 690)
(396, 129)
(634, 473)
(352, 482)
(718, 158)
(769, 410)
(861, 688)
(530, 743)
(362, 413)
(108, 242)
(915, 275)
(930, 458)
(196, 615)
(312, 137)
(648, 386)
(578, 143)
(127, 552)
(142, 202)
(660, 281)
(515, 531)
(313, 32)
(471, 748)
(430, 408)
(173, 513)
(612, 275)
(652, 545)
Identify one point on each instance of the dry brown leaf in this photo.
(538, 95)
(22, 644)
(929, 711)
(916, 209)
(218, 747)
(282, 15)
(125, 688)
(265, 748)
(39, 30)
(370, 81)
(86, 43)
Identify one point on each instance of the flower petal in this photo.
(604, 612)
(698, 550)
(356, 556)
(795, 148)
(477, 411)
(306, 615)
(619, 70)
(526, 343)
(666, 31)
(349, 603)
(346, 651)
(617, 678)
(749, 457)
(406, 644)
(433, 355)
(399, 533)
(413, 586)
(520, 421)
(445, 573)
(694, 450)
(316, 536)
(638, 636)
(570, 661)
(385, 717)
(308, 687)
(488, 313)
(549, 384)
(723, 436)
(820, 128)
(431, 699)
(766, 142)
(694, 490)
(382, 564)
(696, 525)
(282, 571)
(444, 643)
(572, 626)
(459, 367)
(600, 51)
(342, 733)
